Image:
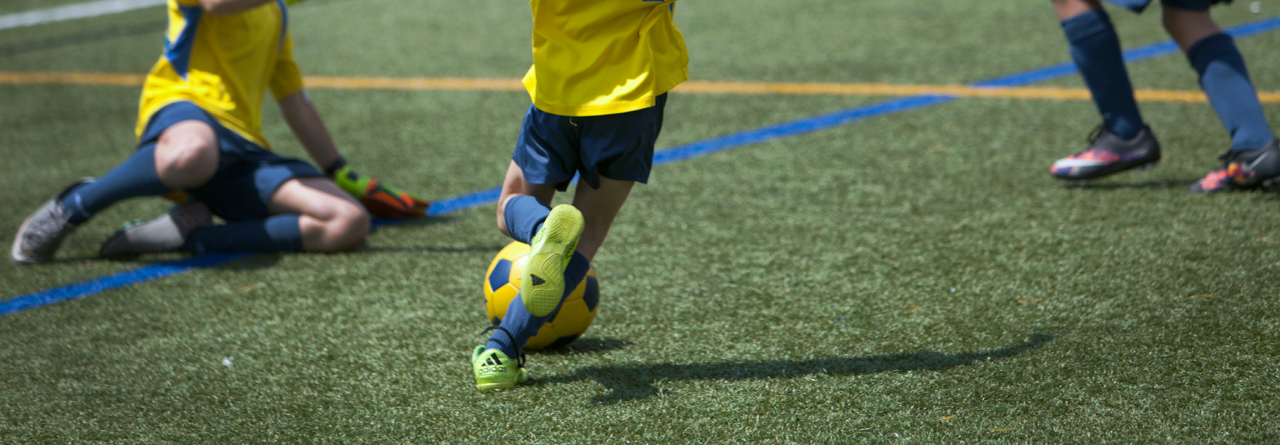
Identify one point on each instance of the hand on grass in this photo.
(380, 199)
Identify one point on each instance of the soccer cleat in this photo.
(542, 281)
(42, 233)
(1108, 154)
(1243, 170)
(494, 370)
(165, 233)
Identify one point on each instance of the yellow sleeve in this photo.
(189, 2)
(286, 79)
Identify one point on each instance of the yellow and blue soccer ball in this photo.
(502, 283)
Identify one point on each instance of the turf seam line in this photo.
(74, 11)
(690, 87)
(683, 152)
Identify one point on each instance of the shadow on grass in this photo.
(587, 346)
(632, 382)
(385, 249)
(1148, 185)
(156, 27)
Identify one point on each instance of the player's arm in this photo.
(309, 128)
(381, 199)
(219, 7)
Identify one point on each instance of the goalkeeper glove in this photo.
(380, 199)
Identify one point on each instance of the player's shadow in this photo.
(1145, 185)
(249, 262)
(631, 382)
(588, 346)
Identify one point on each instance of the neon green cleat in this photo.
(494, 370)
(542, 281)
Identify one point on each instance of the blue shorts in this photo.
(247, 174)
(552, 148)
(1190, 5)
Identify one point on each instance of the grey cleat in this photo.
(166, 233)
(42, 233)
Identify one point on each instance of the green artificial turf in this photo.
(916, 277)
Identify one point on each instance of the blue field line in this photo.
(683, 152)
(108, 282)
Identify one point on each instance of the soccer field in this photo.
(846, 241)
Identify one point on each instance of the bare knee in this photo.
(186, 155)
(1188, 27)
(344, 230)
(1070, 8)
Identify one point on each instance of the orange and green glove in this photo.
(382, 200)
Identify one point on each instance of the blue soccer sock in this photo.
(279, 233)
(524, 215)
(134, 177)
(1226, 81)
(1096, 51)
(520, 325)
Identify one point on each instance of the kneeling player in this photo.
(199, 133)
(599, 79)
(1123, 141)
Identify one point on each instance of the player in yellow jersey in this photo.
(199, 132)
(599, 81)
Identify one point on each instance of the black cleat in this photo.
(1108, 154)
(1243, 170)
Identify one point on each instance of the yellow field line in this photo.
(696, 87)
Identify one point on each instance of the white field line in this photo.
(72, 12)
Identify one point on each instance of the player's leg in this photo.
(329, 219)
(306, 214)
(544, 161)
(1122, 142)
(179, 150)
(522, 213)
(1254, 156)
(599, 208)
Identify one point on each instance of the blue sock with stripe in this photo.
(1226, 81)
(1095, 47)
(279, 233)
(134, 177)
(524, 215)
(521, 325)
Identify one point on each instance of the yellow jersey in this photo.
(223, 64)
(596, 57)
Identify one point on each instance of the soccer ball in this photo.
(502, 283)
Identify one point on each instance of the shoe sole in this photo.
(1137, 168)
(494, 386)
(548, 257)
(16, 255)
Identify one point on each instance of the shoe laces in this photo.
(1096, 133)
(519, 350)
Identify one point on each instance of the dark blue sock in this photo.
(134, 177)
(1226, 81)
(279, 233)
(524, 215)
(1096, 51)
(521, 325)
